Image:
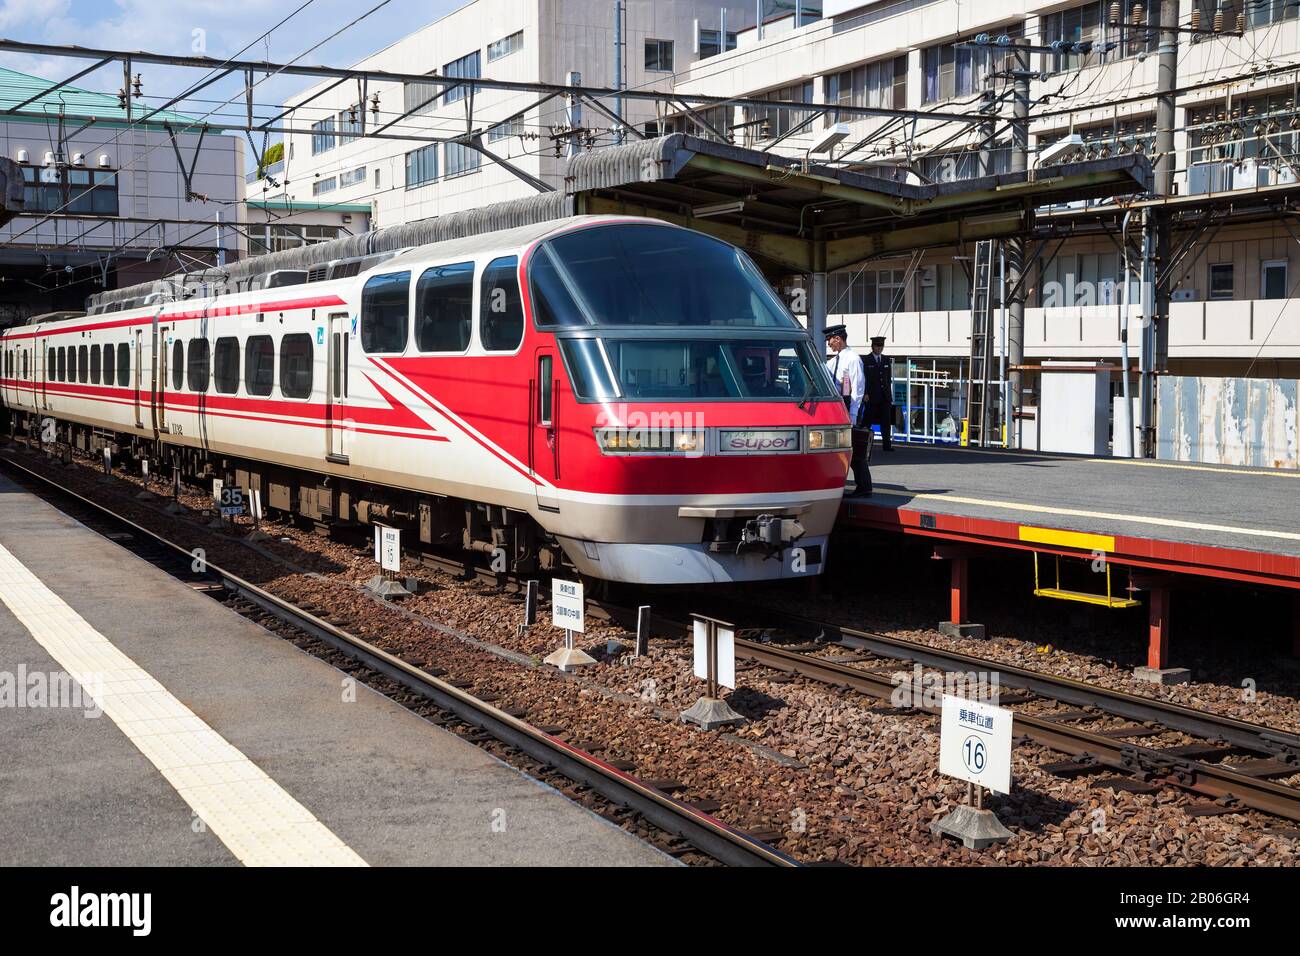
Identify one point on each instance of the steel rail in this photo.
(708, 834)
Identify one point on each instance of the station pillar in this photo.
(958, 593)
(1157, 670)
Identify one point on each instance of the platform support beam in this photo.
(959, 594)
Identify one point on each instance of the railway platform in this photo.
(205, 740)
(1168, 522)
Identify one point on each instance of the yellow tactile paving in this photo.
(250, 813)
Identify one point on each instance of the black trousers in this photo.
(882, 414)
(862, 438)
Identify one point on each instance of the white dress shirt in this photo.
(845, 367)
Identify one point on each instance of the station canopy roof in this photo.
(791, 218)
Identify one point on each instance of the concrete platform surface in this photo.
(361, 780)
(1211, 505)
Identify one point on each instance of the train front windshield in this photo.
(637, 281)
(645, 275)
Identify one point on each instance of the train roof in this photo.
(500, 224)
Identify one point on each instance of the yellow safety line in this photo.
(1078, 513)
(248, 811)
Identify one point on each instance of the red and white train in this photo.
(618, 395)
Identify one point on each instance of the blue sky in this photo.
(221, 27)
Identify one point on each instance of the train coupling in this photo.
(769, 533)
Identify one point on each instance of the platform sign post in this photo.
(975, 746)
(568, 613)
(144, 494)
(388, 555)
(715, 663)
(530, 607)
(255, 510)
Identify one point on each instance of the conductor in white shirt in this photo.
(845, 366)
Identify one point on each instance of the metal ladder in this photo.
(981, 341)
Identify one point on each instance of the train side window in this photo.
(197, 369)
(95, 365)
(259, 365)
(83, 364)
(501, 313)
(178, 364)
(52, 366)
(444, 308)
(225, 365)
(25, 375)
(384, 313)
(108, 365)
(123, 365)
(63, 363)
(72, 363)
(295, 365)
(545, 390)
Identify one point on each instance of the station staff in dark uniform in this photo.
(878, 401)
(845, 366)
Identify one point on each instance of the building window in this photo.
(461, 159)
(505, 46)
(466, 68)
(710, 44)
(322, 186)
(762, 123)
(445, 308)
(259, 365)
(952, 71)
(866, 292)
(501, 314)
(1092, 22)
(225, 366)
(70, 190)
(276, 238)
(1272, 281)
(882, 84)
(295, 365)
(352, 177)
(376, 177)
(197, 371)
(384, 316)
(514, 127)
(659, 56)
(349, 125)
(1221, 280)
(322, 136)
(422, 165)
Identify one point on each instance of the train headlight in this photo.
(829, 439)
(650, 441)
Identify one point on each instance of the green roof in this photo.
(16, 87)
(304, 205)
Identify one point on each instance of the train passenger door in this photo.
(544, 433)
(337, 425)
(137, 358)
(162, 354)
(41, 358)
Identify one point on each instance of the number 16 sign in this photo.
(975, 743)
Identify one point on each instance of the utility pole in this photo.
(1153, 355)
(619, 76)
(1016, 246)
(573, 115)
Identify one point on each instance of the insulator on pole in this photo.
(1139, 14)
(1114, 13)
(1196, 18)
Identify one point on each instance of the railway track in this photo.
(706, 834)
(871, 662)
